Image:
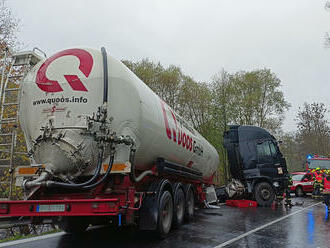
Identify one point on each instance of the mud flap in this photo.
(149, 213)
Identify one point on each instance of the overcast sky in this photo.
(201, 37)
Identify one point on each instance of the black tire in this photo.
(299, 192)
(165, 214)
(72, 224)
(264, 194)
(190, 205)
(179, 207)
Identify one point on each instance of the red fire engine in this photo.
(315, 161)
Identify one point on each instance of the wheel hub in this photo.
(167, 215)
(265, 194)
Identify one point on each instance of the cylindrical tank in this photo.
(60, 94)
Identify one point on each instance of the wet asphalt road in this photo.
(300, 226)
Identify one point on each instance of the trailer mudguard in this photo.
(150, 205)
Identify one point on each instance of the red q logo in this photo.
(85, 66)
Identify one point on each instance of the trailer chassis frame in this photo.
(125, 199)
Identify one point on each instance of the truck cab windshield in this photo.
(267, 150)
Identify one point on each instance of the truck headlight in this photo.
(276, 184)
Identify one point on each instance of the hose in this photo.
(79, 185)
(104, 177)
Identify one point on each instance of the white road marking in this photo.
(16, 242)
(21, 241)
(263, 226)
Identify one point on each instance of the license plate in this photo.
(51, 208)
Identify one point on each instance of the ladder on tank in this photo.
(13, 69)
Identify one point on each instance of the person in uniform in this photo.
(317, 183)
(313, 171)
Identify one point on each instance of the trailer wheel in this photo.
(72, 224)
(165, 214)
(179, 207)
(190, 205)
(264, 194)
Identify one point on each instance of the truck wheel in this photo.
(190, 205)
(264, 194)
(73, 224)
(165, 214)
(179, 207)
(299, 192)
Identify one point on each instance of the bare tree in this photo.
(8, 28)
(327, 5)
(327, 35)
(313, 129)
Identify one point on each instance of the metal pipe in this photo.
(37, 182)
(37, 49)
(3, 74)
(68, 127)
(105, 75)
(142, 175)
(131, 160)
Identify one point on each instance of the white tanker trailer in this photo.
(59, 105)
(108, 146)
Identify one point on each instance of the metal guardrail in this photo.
(11, 227)
(6, 222)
